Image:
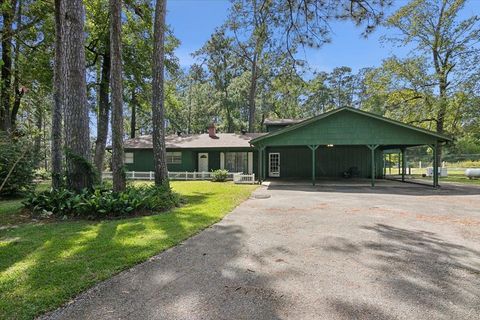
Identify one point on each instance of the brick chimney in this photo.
(212, 131)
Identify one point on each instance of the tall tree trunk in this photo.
(158, 112)
(189, 113)
(58, 96)
(19, 91)
(442, 110)
(37, 145)
(77, 132)
(133, 118)
(8, 16)
(45, 149)
(103, 111)
(442, 88)
(229, 112)
(251, 96)
(117, 98)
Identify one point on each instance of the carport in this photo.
(342, 142)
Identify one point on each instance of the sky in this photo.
(193, 21)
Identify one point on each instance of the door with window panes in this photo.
(274, 164)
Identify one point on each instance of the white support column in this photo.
(250, 162)
(222, 160)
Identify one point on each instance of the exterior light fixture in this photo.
(329, 145)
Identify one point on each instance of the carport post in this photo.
(372, 148)
(403, 164)
(399, 163)
(435, 164)
(260, 163)
(389, 163)
(384, 165)
(313, 148)
(264, 159)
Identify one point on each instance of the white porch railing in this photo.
(184, 175)
(244, 178)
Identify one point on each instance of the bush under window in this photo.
(220, 175)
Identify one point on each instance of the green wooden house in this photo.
(333, 144)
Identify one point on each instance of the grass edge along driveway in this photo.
(42, 266)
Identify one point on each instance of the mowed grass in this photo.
(459, 178)
(454, 175)
(42, 266)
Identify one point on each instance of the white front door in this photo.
(274, 164)
(203, 162)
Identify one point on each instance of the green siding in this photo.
(349, 128)
(296, 162)
(213, 160)
(143, 159)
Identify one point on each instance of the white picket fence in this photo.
(185, 175)
(244, 178)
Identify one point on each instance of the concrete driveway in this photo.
(395, 252)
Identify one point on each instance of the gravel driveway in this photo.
(396, 252)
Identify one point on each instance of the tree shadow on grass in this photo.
(419, 269)
(201, 278)
(43, 265)
(21, 242)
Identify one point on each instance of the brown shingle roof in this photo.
(281, 121)
(224, 140)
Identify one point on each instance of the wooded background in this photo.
(247, 71)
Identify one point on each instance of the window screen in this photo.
(128, 157)
(174, 157)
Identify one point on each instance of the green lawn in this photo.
(456, 178)
(459, 178)
(456, 175)
(44, 265)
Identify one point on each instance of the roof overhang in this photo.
(259, 140)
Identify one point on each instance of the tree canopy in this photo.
(249, 70)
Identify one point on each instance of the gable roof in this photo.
(224, 140)
(306, 122)
(281, 122)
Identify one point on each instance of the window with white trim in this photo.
(174, 157)
(128, 157)
(236, 161)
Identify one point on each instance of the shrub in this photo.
(42, 174)
(17, 166)
(219, 175)
(101, 203)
